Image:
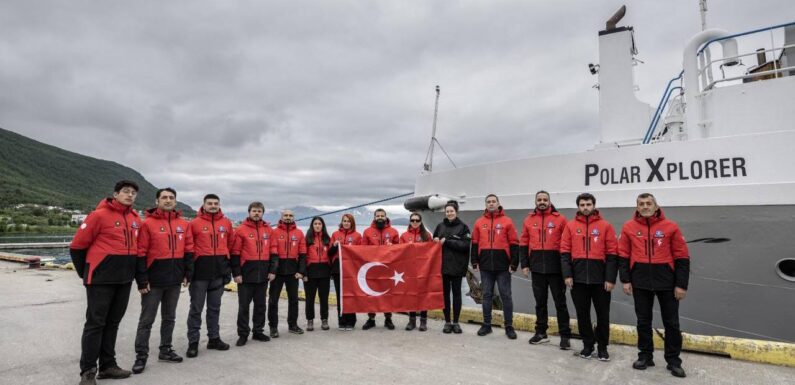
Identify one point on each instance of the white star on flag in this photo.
(398, 277)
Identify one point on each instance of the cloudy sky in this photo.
(324, 103)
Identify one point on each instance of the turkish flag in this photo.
(393, 278)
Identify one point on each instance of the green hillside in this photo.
(34, 172)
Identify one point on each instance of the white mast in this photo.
(428, 166)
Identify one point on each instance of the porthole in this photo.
(786, 269)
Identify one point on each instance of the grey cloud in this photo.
(322, 103)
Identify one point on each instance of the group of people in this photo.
(585, 255)
(113, 247)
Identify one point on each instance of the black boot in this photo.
(423, 324)
(139, 365)
(412, 324)
(217, 344)
(169, 355)
(193, 350)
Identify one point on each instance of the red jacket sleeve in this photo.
(624, 244)
(237, 243)
(188, 242)
(565, 240)
(513, 237)
(87, 232)
(611, 244)
(143, 240)
(524, 239)
(679, 245)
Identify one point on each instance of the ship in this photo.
(715, 154)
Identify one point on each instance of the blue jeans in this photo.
(503, 279)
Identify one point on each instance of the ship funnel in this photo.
(622, 117)
(613, 21)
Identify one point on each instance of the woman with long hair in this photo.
(455, 238)
(415, 233)
(346, 235)
(318, 272)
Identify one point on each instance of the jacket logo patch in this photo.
(265, 236)
(579, 231)
(118, 224)
(659, 234)
(595, 232)
(551, 225)
(350, 239)
(281, 236)
(639, 234)
(180, 230)
(251, 235)
(162, 229)
(535, 224)
(135, 225)
(293, 238)
(205, 229)
(499, 226)
(83, 226)
(221, 229)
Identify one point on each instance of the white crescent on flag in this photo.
(361, 277)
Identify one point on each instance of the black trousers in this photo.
(105, 307)
(669, 309)
(451, 283)
(246, 293)
(583, 295)
(166, 298)
(313, 287)
(347, 319)
(542, 284)
(291, 283)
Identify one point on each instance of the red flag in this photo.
(395, 278)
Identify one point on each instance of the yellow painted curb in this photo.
(769, 352)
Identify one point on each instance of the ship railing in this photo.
(669, 89)
(733, 63)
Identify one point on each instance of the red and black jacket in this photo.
(588, 250)
(318, 264)
(375, 236)
(495, 245)
(212, 239)
(165, 248)
(653, 253)
(289, 247)
(540, 240)
(250, 253)
(104, 249)
(344, 237)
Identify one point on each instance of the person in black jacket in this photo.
(318, 272)
(455, 239)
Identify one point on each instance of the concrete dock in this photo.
(43, 311)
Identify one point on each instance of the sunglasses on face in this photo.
(415, 221)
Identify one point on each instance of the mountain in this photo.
(34, 172)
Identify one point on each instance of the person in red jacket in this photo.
(346, 235)
(318, 272)
(104, 253)
(415, 233)
(655, 262)
(164, 245)
(588, 252)
(251, 270)
(495, 253)
(289, 248)
(381, 233)
(209, 272)
(540, 242)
